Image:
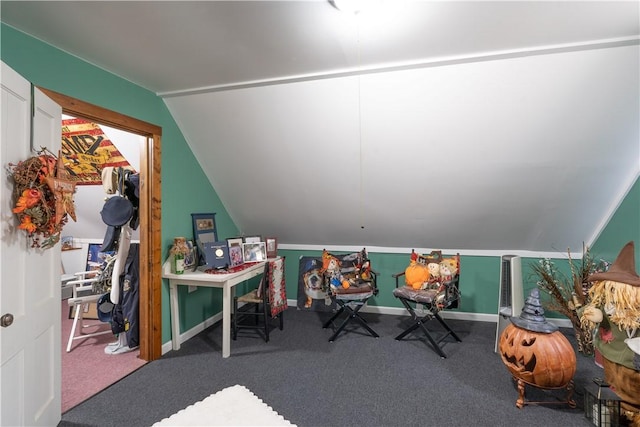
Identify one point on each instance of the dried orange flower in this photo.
(27, 225)
(29, 199)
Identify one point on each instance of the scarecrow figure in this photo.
(615, 311)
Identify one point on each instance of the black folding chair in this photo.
(436, 296)
(355, 270)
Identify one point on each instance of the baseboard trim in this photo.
(396, 311)
(166, 347)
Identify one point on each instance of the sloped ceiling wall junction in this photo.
(470, 126)
(524, 153)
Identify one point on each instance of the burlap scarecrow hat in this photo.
(622, 270)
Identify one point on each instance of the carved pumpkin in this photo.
(540, 359)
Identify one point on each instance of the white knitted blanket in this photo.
(232, 406)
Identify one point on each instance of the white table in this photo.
(198, 278)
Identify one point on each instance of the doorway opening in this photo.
(150, 315)
(88, 148)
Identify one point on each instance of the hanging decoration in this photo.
(43, 197)
(63, 189)
(87, 150)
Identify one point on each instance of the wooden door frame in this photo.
(150, 314)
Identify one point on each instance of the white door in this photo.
(30, 366)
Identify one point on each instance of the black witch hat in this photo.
(532, 316)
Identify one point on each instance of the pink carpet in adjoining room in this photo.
(86, 369)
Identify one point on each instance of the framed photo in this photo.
(204, 232)
(95, 257)
(253, 239)
(235, 241)
(254, 252)
(272, 247)
(235, 255)
(216, 255)
(66, 243)
(191, 258)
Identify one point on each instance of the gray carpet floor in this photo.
(357, 380)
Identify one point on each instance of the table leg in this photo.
(175, 315)
(226, 320)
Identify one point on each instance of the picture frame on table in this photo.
(254, 252)
(216, 255)
(235, 251)
(234, 241)
(253, 239)
(190, 260)
(204, 232)
(272, 247)
(235, 255)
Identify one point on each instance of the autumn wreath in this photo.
(42, 197)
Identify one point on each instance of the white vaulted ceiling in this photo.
(507, 126)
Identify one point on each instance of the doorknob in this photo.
(6, 320)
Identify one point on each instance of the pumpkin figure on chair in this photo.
(416, 274)
(614, 312)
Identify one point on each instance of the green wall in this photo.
(623, 226)
(53, 69)
(480, 275)
(479, 279)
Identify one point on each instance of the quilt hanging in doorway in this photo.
(86, 150)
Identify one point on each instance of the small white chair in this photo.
(83, 295)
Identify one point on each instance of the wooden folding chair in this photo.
(268, 301)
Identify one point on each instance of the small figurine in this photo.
(331, 266)
(365, 270)
(448, 269)
(434, 272)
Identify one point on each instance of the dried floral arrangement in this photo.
(568, 295)
(42, 197)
